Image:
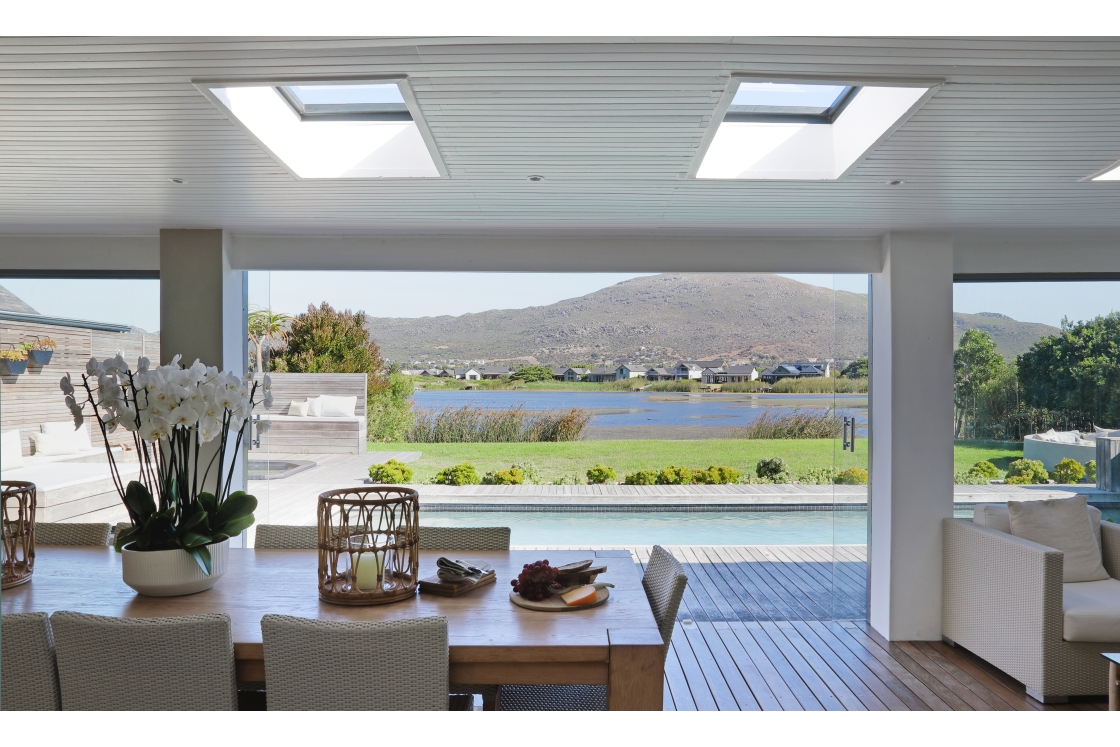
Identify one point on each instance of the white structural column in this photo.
(203, 305)
(911, 437)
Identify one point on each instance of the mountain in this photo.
(662, 318)
(1011, 337)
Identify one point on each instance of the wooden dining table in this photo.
(492, 641)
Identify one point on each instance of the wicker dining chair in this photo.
(286, 537)
(57, 533)
(324, 665)
(664, 582)
(145, 664)
(464, 539)
(28, 670)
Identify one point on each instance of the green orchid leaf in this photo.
(201, 555)
(127, 535)
(197, 519)
(193, 539)
(237, 505)
(208, 501)
(235, 526)
(138, 500)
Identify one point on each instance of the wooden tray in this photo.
(556, 604)
(434, 585)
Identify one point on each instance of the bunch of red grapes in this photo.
(536, 581)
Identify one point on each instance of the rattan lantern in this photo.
(368, 545)
(18, 531)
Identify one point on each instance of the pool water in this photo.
(665, 527)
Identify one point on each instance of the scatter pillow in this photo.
(315, 407)
(11, 450)
(997, 517)
(1105, 432)
(1064, 524)
(1061, 437)
(54, 444)
(299, 409)
(338, 407)
(81, 435)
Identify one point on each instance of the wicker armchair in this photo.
(48, 533)
(464, 538)
(664, 582)
(1002, 600)
(321, 665)
(170, 663)
(29, 676)
(286, 537)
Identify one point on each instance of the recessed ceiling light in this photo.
(177, 180)
(535, 178)
(790, 130)
(334, 129)
(896, 182)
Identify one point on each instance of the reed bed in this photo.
(795, 424)
(471, 424)
(742, 386)
(818, 385)
(683, 385)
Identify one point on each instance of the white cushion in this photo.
(81, 435)
(1061, 437)
(299, 408)
(315, 407)
(1064, 524)
(54, 444)
(338, 407)
(1105, 432)
(997, 517)
(1091, 611)
(11, 450)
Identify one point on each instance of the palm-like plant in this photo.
(265, 325)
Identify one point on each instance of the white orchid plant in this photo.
(171, 411)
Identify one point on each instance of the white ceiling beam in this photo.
(536, 253)
(1030, 257)
(92, 254)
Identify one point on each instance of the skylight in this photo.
(334, 129)
(1110, 175)
(800, 131)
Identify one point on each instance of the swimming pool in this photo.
(665, 527)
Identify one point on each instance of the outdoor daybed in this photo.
(1006, 601)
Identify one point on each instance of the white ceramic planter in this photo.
(172, 573)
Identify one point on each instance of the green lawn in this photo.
(555, 460)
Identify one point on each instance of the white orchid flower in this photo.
(268, 400)
(154, 430)
(174, 361)
(142, 364)
(93, 367)
(66, 386)
(267, 383)
(183, 417)
(263, 426)
(197, 372)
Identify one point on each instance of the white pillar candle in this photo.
(367, 570)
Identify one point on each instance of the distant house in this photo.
(576, 374)
(693, 369)
(795, 371)
(558, 372)
(629, 371)
(729, 375)
(495, 373)
(467, 374)
(659, 374)
(601, 374)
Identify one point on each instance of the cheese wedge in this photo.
(582, 595)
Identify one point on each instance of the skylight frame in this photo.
(345, 112)
(205, 84)
(828, 116)
(932, 86)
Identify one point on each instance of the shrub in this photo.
(1091, 471)
(532, 373)
(567, 480)
(1026, 472)
(795, 424)
(675, 476)
(460, 474)
(391, 472)
(511, 476)
(984, 469)
(1067, 471)
(641, 477)
(819, 476)
(479, 425)
(530, 473)
(772, 469)
(715, 475)
(851, 476)
(969, 478)
(600, 474)
(684, 385)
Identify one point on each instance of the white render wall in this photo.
(911, 432)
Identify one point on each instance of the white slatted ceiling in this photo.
(91, 130)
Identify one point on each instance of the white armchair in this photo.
(1003, 601)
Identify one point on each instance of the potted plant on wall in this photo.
(41, 350)
(13, 361)
(187, 427)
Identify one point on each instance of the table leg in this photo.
(636, 670)
(1113, 686)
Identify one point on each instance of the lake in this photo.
(651, 414)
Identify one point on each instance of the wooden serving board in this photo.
(556, 604)
(434, 585)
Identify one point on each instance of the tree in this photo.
(1076, 372)
(857, 369)
(975, 362)
(532, 373)
(323, 340)
(264, 326)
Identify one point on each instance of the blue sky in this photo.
(414, 294)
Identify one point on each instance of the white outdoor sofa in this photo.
(1004, 600)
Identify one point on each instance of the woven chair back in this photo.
(664, 582)
(323, 665)
(145, 664)
(29, 676)
(286, 537)
(464, 538)
(48, 533)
